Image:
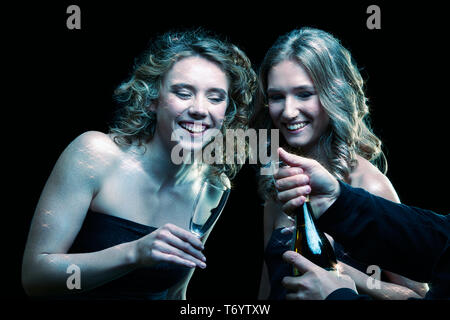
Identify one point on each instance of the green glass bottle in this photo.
(310, 242)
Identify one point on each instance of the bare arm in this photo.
(59, 216)
(383, 290)
(57, 220)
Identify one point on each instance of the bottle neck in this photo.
(304, 213)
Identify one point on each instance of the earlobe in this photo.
(152, 106)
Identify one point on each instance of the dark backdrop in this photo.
(63, 80)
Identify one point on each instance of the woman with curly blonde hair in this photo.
(311, 90)
(114, 209)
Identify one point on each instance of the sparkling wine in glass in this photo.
(212, 195)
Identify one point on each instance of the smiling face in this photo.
(192, 103)
(294, 105)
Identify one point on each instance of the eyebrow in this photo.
(299, 88)
(192, 88)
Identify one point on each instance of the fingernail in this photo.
(287, 256)
(202, 265)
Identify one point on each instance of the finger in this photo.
(174, 241)
(290, 194)
(165, 257)
(288, 230)
(291, 283)
(302, 264)
(185, 236)
(168, 249)
(294, 160)
(287, 172)
(290, 182)
(290, 206)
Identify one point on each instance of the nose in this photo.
(291, 108)
(198, 110)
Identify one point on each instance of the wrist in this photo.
(325, 201)
(130, 253)
(336, 192)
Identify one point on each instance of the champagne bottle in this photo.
(310, 242)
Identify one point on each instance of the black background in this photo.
(62, 82)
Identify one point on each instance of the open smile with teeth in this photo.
(193, 127)
(296, 126)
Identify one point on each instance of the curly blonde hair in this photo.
(340, 89)
(136, 123)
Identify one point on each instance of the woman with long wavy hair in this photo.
(311, 90)
(114, 208)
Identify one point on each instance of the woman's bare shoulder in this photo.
(96, 141)
(90, 152)
(95, 146)
(367, 176)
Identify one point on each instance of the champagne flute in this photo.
(211, 198)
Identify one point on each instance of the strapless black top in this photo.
(101, 231)
(278, 268)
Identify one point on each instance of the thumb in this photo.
(302, 264)
(294, 160)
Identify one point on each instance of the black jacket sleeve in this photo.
(407, 240)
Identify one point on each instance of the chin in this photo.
(191, 147)
(296, 143)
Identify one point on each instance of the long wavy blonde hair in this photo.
(340, 89)
(135, 123)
